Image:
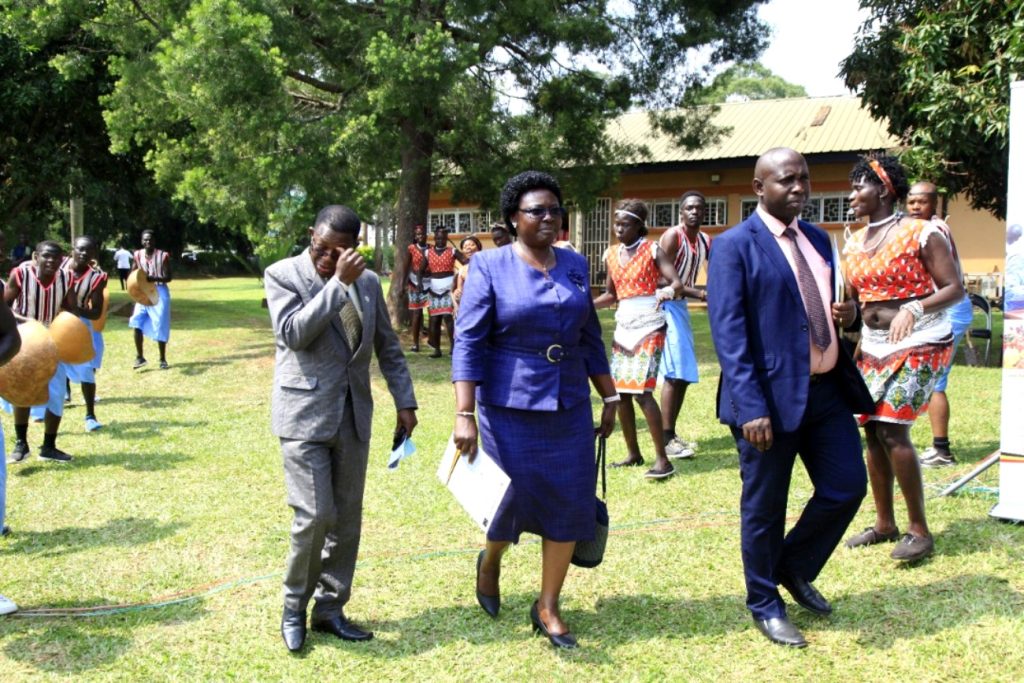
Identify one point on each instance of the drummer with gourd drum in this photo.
(38, 290)
(153, 318)
(89, 284)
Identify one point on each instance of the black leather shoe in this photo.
(490, 603)
(342, 628)
(566, 641)
(780, 630)
(293, 629)
(806, 595)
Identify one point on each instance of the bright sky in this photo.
(809, 39)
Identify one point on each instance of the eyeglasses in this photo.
(318, 248)
(542, 211)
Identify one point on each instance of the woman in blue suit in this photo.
(527, 340)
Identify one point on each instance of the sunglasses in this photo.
(542, 211)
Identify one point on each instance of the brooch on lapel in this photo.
(576, 277)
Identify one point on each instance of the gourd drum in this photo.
(101, 322)
(73, 339)
(141, 289)
(25, 378)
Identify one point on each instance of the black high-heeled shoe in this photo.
(566, 641)
(490, 603)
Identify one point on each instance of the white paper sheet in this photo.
(478, 486)
(838, 281)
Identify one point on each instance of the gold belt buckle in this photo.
(558, 349)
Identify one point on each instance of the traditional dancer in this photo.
(416, 255)
(687, 247)
(634, 267)
(440, 267)
(152, 321)
(87, 282)
(38, 290)
(903, 274)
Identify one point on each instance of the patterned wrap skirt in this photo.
(902, 377)
(549, 456)
(636, 371)
(441, 295)
(418, 297)
(637, 344)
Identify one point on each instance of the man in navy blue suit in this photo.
(787, 388)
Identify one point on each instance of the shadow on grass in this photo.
(144, 401)
(979, 535)
(974, 452)
(193, 368)
(74, 646)
(132, 462)
(120, 533)
(878, 619)
(140, 429)
(904, 612)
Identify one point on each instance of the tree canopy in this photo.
(55, 144)
(243, 105)
(749, 81)
(940, 72)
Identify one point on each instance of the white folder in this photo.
(479, 486)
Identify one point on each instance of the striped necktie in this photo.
(811, 296)
(350, 321)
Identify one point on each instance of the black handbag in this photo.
(590, 553)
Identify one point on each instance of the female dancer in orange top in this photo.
(902, 273)
(634, 267)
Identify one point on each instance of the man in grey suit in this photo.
(328, 315)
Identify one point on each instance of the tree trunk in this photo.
(413, 201)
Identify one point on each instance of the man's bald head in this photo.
(782, 183)
(773, 157)
(923, 200)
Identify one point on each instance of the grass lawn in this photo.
(174, 516)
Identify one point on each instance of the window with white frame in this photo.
(663, 213)
(715, 212)
(820, 208)
(597, 225)
(459, 220)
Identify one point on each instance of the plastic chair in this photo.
(985, 333)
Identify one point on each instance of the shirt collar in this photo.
(774, 225)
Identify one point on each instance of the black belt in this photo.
(555, 353)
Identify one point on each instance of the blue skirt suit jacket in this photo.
(531, 343)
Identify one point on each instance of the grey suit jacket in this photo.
(315, 370)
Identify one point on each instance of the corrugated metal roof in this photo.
(759, 125)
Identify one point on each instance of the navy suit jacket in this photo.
(760, 330)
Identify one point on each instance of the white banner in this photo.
(1011, 463)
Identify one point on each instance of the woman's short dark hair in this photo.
(892, 167)
(474, 240)
(520, 184)
(636, 207)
